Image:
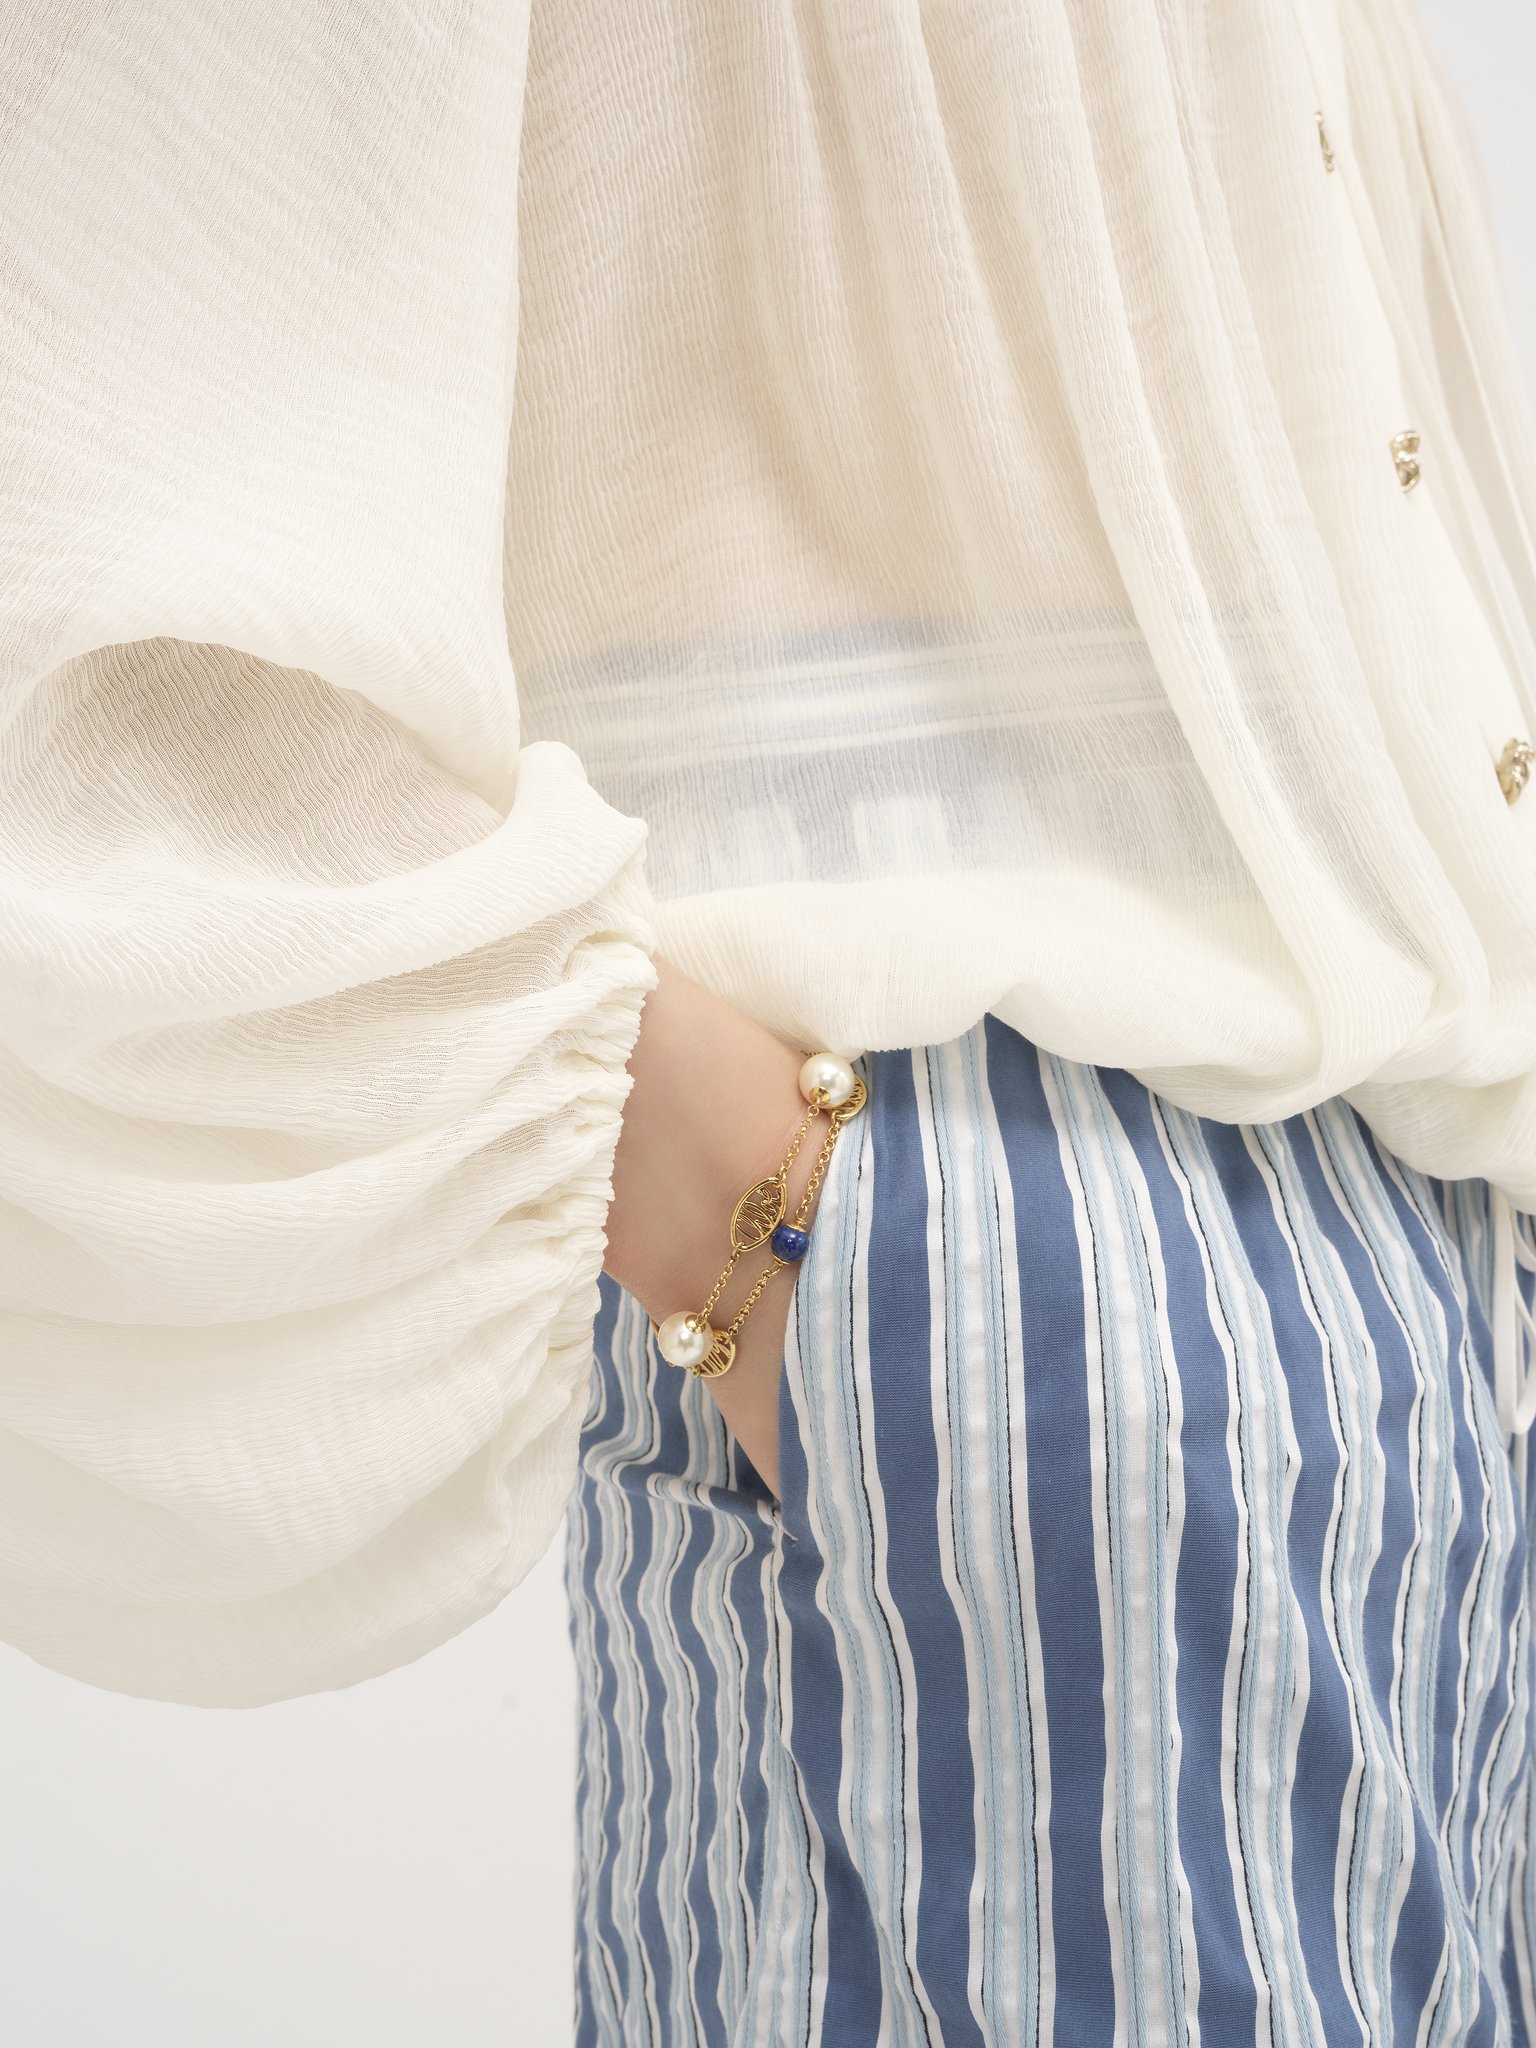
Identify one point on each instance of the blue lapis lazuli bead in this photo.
(789, 1243)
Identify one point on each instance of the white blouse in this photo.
(911, 507)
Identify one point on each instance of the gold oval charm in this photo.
(854, 1104)
(758, 1214)
(719, 1358)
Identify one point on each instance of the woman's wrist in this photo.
(714, 1102)
(715, 1097)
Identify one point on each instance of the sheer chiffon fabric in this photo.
(891, 504)
(984, 566)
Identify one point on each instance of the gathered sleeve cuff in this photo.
(311, 1073)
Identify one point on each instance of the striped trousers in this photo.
(1140, 1651)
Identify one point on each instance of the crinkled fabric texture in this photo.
(953, 503)
(890, 503)
(316, 985)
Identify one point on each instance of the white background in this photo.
(391, 1866)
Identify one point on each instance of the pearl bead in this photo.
(833, 1076)
(680, 1342)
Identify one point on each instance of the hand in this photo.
(715, 1100)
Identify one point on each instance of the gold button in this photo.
(1323, 143)
(1405, 452)
(1515, 765)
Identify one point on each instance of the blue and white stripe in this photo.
(1141, 1651)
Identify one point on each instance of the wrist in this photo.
(714, 1101)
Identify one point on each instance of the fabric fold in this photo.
(317, 984)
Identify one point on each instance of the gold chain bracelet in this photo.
(831, 1088)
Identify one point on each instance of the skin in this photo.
(715, 1100)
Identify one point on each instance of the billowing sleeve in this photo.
(316, 988)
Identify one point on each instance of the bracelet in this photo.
(830, 1086)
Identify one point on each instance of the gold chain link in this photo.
(781, 1174)
(802, 1212)
(699, 1317)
